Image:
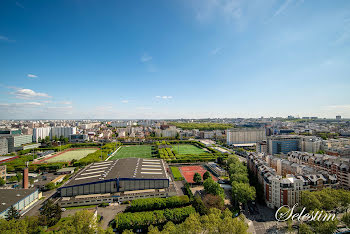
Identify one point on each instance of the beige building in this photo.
(245, 135)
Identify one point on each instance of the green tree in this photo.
(213, 201)
(2, 181)
(197, 178)
(243, 192)
(305, 229)
(47, 139)
(198, 204)
(65, 140)
(206, 175)
(310, 201)
(82, 222)
(346, 219)
(50, 214)
(50, 186)
(12, 213)
(211, 187)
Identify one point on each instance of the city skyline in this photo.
(169, 60)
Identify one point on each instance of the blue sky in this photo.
(174, 59)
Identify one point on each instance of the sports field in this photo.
(69, 155)
(133, 151)
(189, 171)
(187, 149)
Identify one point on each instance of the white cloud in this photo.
(143, 108)
(22, 104)
(283, 7)
(28, 94)
(125, 101)
(32, 76)
(146, 58)
(66, 102)
(164, 97)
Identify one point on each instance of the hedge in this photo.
(142, 220)
(147, 204)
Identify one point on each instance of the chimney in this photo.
(25, 177)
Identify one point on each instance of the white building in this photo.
(53, 132)
(245, 135)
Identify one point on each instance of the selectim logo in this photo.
(285, 213)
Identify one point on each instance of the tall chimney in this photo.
(25, 177)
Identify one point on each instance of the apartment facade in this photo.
(282, 188)
(245, 135)
(3, 146)
(332, 164)
(42, 133)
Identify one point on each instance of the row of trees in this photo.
(215, 221)
(141, 220)
(147, 204)
(82, 222)
(326, 199)
(202, 126)
(242, 192)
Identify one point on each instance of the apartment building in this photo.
(332, 164)
(3, 146)
(285, 185)
(283, 144)
(42, 133)
(245, 135)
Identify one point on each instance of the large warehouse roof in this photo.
(133, 168)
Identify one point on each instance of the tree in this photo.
(47, 139)
(2, 181)
(243, 192)
(50, 214)
(12, 213)
(213, 201)
(197, 178)
(50, 186)
(211, 187)
(81, 222)
(206, 175)
(66, 140)
(61, 138)
(305, 229)
(310, 201)
(346, 219)
(198, 204)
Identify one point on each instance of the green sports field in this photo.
(133, 151)
(70, 155)
(187, 149)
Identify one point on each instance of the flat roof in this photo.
(66, 169)
(9, 197)
(124, 168)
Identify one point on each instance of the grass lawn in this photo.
(176, 173)
(70, 155)
(133, 151)
(80, 207)
(187, 149)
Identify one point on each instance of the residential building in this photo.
(3, 146)
(284, 185)
(245, 135)
(332, 164)
(42, 133)
(16, 141)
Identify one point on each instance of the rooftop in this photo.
(9, 197)
(137, 168)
